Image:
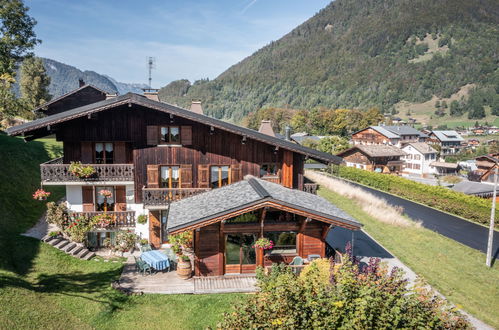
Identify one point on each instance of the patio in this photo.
(170, 283)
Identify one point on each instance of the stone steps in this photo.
(71, 248)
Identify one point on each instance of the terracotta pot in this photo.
(184, 269)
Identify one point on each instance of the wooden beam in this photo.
(325, 231)
(287, 169)
(262, 218)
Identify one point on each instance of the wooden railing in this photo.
(310, 188)
(160, 196)
(55, 171)
(121, 218)
(271, 178)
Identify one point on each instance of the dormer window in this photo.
(170, 135)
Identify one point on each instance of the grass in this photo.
(41, 287)
(457, 271)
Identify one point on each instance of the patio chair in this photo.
(296, 262)
(144, 267)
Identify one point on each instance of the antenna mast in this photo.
(151, 64)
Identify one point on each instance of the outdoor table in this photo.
(156, 259)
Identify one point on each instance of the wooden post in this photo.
(287, 169)
(488, 261)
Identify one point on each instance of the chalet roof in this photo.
(422, 147)
(57, 99)
(376, 150)
(474, 188)
(445, 165)
(131, 98)
(395, 132)
(248, 194)
(448, 136)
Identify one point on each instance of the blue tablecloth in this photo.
(156, 259)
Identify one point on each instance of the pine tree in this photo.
(34, 83)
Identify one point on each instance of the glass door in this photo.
(240, 256)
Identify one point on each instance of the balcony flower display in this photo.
(106, 193)
(81, 171)
(263, 243)
(41, 195)
(103, 220)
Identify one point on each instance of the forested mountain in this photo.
(64, 78)
(365, 53)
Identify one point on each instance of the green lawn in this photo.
(455, 270)
(41, 287)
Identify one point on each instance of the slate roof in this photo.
(140, 100)
(422, 147)
(394, 132)
(448, 136)
(445, 165)
(215, 203)
(376, 150)
(474, 188)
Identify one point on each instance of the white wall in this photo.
(74, 198)
(424, 164)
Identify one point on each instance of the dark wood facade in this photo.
(82, 96)
(371, 136)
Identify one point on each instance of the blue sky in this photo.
(189, 39)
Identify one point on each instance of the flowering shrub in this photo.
(78, 229)
(103, 220)
(180, 241)
(81, 171)
(57, 214)
(142, 219)
(263, 243)
(41, 195)
(106, 193)
(125, 240)
(354, 297)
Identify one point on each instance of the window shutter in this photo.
(186, 176)
(152, 135)
(235, 173)
(119, 153)
(152, 176)
(203, 176)
(87, 193)
(120, 192)
(186, 135)
(87, 152)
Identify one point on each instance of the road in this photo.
(460, 230)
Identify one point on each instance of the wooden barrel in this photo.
(184, 269)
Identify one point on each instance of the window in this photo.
(268, 169)
(417, 166)
(284, 241)
(417, 157)
(101, 202)
(409, 156)
(170, 134)
(104, 153)
(219, 176)
(170, 177)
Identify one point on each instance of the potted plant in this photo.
(81, 171)
(142, 219)
(54, 233)
(103, 220)
(143, 241)
(184, 267)
(125, 241)
(41, 195)
(263, 243)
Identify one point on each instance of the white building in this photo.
(419, 157)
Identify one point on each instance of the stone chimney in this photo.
(151, 93)
(111, 96)
(197, 107)
(287, 133)
(266, 128)
(81, 83)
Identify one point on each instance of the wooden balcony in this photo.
(54, 171)
(158, 197)
(122, 219)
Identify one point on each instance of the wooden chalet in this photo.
(486, 166)
(388, 135)
(375, 158)
(150, 153)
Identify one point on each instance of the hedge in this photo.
(469, 207)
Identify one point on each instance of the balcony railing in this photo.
(271, 178)
(121, 218)
(55, 171)
(160, 196)
(310, 188)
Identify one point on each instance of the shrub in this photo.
(78, 229)
(142, 219)
(54, 233)
(369, 297)
(180, 241)
(125, 240)
(57, 214)
(317, 270)
(469, 207)
(452, 179)
(143, 241)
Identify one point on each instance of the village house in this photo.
(419, 156)
(185, 171)
(389, 135)
(486, 166)
(449, 142)
(375, 158)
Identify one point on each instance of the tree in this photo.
(476, 111)
(455, 108)
(17, 37)
(9, 105)
(333, 144)
(34, 83)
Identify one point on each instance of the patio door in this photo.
(240, 256)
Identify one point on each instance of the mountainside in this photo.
(64, 78)
(363, 53)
